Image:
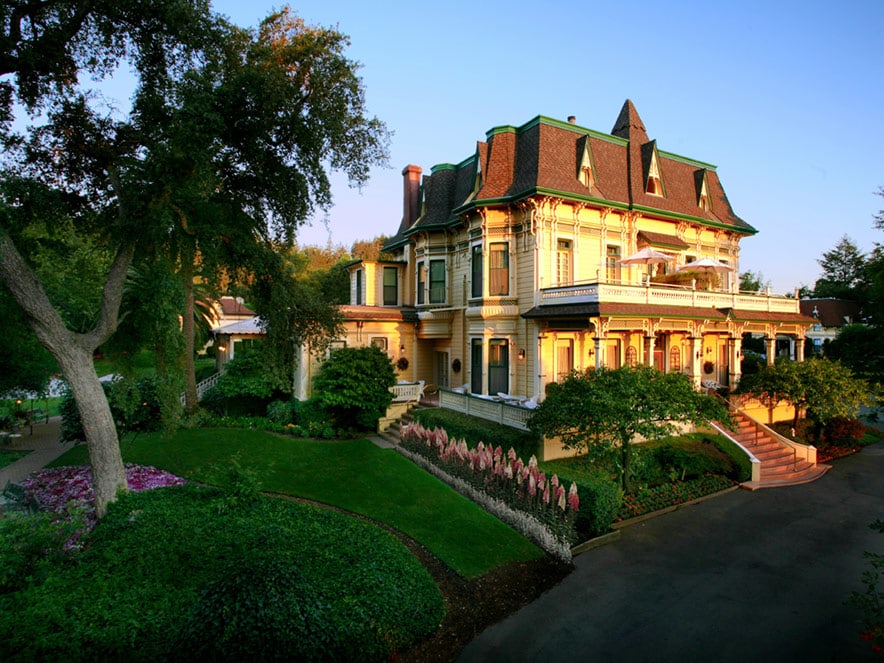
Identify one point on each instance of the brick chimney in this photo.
(411, 188)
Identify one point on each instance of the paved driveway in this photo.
(751, 577)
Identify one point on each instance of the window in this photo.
(584, 170)
(655, 183)
(631, 356)
(705, 203)
(477, 282)
(499, 269)
(421, 282)
(612, 264)
(358, 287)
(498, 366)
(674, 359)
(563, 262)
(391, 286)
(564, 358)
(437, 281)
(441, 370)
(379, 342)
(476, 366)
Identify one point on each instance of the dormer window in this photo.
(703, 199)
(585, 171)
(654, 184)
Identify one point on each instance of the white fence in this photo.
(407, 392)
(203, 386)
(486, 408)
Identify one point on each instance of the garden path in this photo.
(44, 444)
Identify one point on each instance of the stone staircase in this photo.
(389, 434)
(780, 464)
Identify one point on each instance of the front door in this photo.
(498, 366)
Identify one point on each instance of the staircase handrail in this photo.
(754, 463)
(800, 451)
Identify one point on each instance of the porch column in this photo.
(770, 345)
(649, 349)
(736, 369)
(696, 361)
(799, 349)
(599, 350)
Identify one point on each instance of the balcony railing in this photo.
(666, 295)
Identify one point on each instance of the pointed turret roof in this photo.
(629, 125)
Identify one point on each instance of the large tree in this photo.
(228, 141)
(843, 274)
(605, 408)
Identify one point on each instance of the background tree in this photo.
(843, 272)
(753, 281)
(293, 313)
(609, 408)
(822, 388)
(353, 384)
(271, 110)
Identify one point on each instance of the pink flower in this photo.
(573, 499)
(546, 494)
(561, 497)
(555, 480)
(511, 454)
(532, 485)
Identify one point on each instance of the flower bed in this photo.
(829, 453)
(654, 498)
(504, 478)
(63, 490)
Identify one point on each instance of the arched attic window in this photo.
(704, 201)
(585, 168)
(654, 181)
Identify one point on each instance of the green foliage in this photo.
(843, 272)
(25, 364)
(242, 485)
(600, 502)
(845, 430)
(281, 412)
(32, 547)
(753, 281)
(474, 430)
(353, 384)
(245, 388)
(653, 498)
(135, 403)
(609, 408)
(858, 347)
(280, 579)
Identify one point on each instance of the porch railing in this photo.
(485, 408)
(203, 386)
(666, 295)
(408, 392)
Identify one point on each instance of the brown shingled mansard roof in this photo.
(542, 157)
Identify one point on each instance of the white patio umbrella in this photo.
(705, 265)
(647, 256)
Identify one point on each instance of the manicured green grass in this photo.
(355, 475)
(8, 456)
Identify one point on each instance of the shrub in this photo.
(474, 430)
(844, 430)
(246, 387)
(31, 545)
(353, 385)
(281, 412)
(600, 500)
(694, 458)
(135, 407)
(276, 569)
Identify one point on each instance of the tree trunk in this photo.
(73, 352)
(191, 399)
(108, 472)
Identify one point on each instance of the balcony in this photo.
(661, 294)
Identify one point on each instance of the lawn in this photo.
(9, 456)
(354, 475)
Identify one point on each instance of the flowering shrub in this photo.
(503, 476)
(646, 500)
(63, 490)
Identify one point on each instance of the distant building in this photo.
(829, 316)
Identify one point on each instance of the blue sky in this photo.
(785, 97)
